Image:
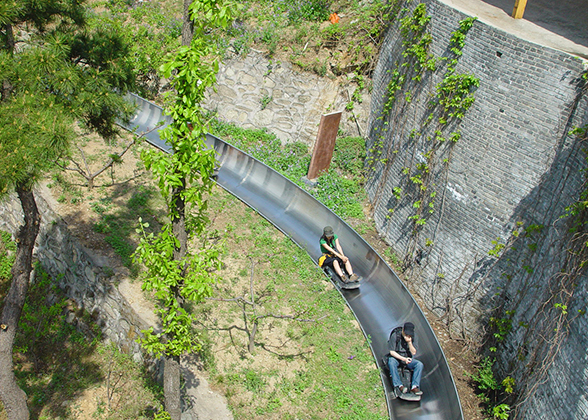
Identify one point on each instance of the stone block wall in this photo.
(515, 166)
(297, 99)
(86, 278)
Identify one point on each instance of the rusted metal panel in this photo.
(519, 9)
(324, 145)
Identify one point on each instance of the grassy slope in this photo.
(62, 363)
(318, 366)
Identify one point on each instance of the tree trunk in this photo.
(171, 387)
(179, 221)
(188, 25)
(252, 337)
(14, 398)
(171, 373)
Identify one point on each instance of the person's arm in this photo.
(342, 255)
(411, 346)
(332, 251)
(399, 357)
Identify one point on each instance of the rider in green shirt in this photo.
(333, 255)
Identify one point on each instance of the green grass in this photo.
(293, 28)
(152, 30)
(319, 368)
(340, 188)
(57, 361)
(334, 377)
(118, 223)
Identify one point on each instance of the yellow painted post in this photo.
(519, 9)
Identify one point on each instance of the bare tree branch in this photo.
(91, 176)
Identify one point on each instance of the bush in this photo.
(301, 10)
(494, 393)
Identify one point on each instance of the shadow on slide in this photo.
(381, 303)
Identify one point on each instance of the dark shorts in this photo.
(329, 260)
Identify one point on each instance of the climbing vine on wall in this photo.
(544, 332)
(431, 141)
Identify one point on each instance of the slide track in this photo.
(380, 304)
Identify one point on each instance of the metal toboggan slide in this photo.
(380, 304)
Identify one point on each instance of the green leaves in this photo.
(458, 37)
(208, 14)
(455, 94)
(48, 88)
(184, 177)
(497, 250)
(34, 131)
(173, 281)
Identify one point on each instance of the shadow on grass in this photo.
(118, 225)
(53, 357)
(118, 207)
(59, 355)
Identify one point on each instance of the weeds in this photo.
(7, 256)
(265, 101)
(118, 224)
(70, 193)
(58, 357)
(303, 10)
(494, 394)
(354, 41)
(271, 38)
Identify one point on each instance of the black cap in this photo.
(328, 231)
(408, 329)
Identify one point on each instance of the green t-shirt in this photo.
(323, 241)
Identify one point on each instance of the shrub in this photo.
(301, 10)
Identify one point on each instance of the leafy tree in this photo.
(152, 31)
(175, 274)
(53, 71)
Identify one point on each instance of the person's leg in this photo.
(350, 270)
(338, 263)
(393, 367)
(337, 268)
(417, 369)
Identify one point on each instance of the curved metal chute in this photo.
(380, 304)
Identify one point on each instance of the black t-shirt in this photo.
(396, 343)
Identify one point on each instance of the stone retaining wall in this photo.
(86, 278)
(515, 166)
(298, 99)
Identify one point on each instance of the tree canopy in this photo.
(54, 72)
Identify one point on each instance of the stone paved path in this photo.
(199, 401)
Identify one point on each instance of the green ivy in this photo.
(458, 37)
(494, 393)
(454, 95)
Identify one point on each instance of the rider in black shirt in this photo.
(402, 349)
